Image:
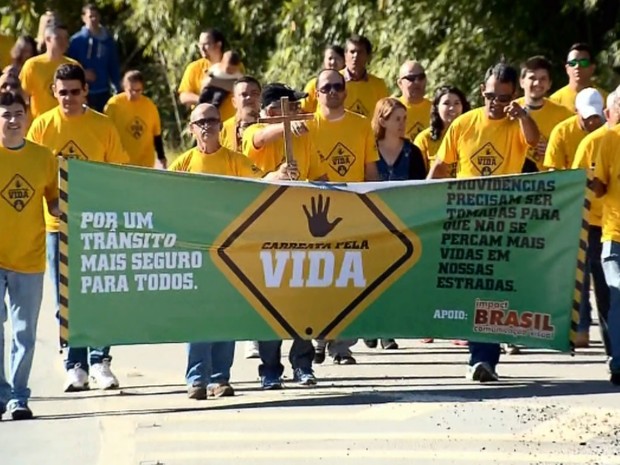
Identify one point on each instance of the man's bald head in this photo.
(205, 124)
(203, 111)
(412, 81)
(410, 67)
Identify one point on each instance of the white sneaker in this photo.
(77, 380)
(251, 349)
(481, 372)
(103, 376)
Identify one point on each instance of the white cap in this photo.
(589, 102)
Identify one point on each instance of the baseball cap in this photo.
(589, 102)
(275, 91)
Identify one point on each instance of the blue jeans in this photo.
(25, 294)
(209, 363)
(300, 356)
(488, 352)
(75, 355)
(611, 265)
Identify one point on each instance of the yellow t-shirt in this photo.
(90, 136)
(37, 78)
(137, 123)
(6, 44)
(228, 135)
(607, 170)
(584, 159)
(418, 116)
(29, 179)
(345, 146)
(429, 148)
(272, 155)
(546, 118)
(192, 79)
(566, 97)
(362, 96)
(563, 143)
(224, 162)
(482, 146)
(309, 104)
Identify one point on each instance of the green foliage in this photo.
(282, 39)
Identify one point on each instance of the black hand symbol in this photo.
(318, 224)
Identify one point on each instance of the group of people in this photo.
(346, 128)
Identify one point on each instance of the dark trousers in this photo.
(488, 352)
(300, 356)
(98, 101)
(594, 271)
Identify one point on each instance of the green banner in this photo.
(170, 257)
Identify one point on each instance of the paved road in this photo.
(408, 406)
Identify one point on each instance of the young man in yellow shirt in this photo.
(333, 58)
(364, 90)
(246, 100)
(28, 179)
(37, 74)
(536, 82)
(491, 140)
(209, 157)
(567, 135)
(606, 184)
(412, 84)
(72, 130)
(137, 119)
(580, 68)
(584, 159)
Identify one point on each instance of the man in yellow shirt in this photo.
(491, 140)
(364, 90)
(209, 363)
(246, 100)
(412, 84)
(72, 130)
(584, 159)
(28, 179)
(567, 135)
(536, 82)
(580, 68)
(606, 184)
(333, 58)
(137, 119)
(37, 74)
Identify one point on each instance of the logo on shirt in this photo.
(416, 129)
(72, 150)
(358, 108)
(136, 127)
(487, 160)
(18, 192)
(340, 159)
(339, 250)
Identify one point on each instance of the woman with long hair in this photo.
(448, 104)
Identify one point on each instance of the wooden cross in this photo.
(286, 118)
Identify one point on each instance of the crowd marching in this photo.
(57, 100)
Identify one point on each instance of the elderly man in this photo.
(412, 84)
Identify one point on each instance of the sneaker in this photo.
(304, 377)
(270, 384)
(389, 344)
(20, 410)
(220, 390)
(251, 349)
(319, 355)
(77, 380)
(103, 376)
(197, 392)
(511, 349)
(370, 343)
(481, 372)
(344, 360)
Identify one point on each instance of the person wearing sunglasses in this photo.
(536, 81)
(73, 130)
(580, 68)
(333, 58)
(364, 90)
(491, 140)
(412, 84)
(37, 74)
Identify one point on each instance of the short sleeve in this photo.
(554, 154)
(447, 151)
(371, 153)
(244, 167)
(186, 84)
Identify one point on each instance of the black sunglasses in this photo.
(205, 121)
(499, 98)
(327, 88)
(415, 77)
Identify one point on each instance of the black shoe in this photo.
(615, 379)
(371, 343)
(319, 356)
(389, 344)
(347, 360)
(20, 411)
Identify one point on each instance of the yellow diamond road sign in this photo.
(309, 261)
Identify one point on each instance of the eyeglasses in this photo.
(336, 87)
(206, 121)
(73, 92)
(581, 63)
(414, 77)
(500, 98)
